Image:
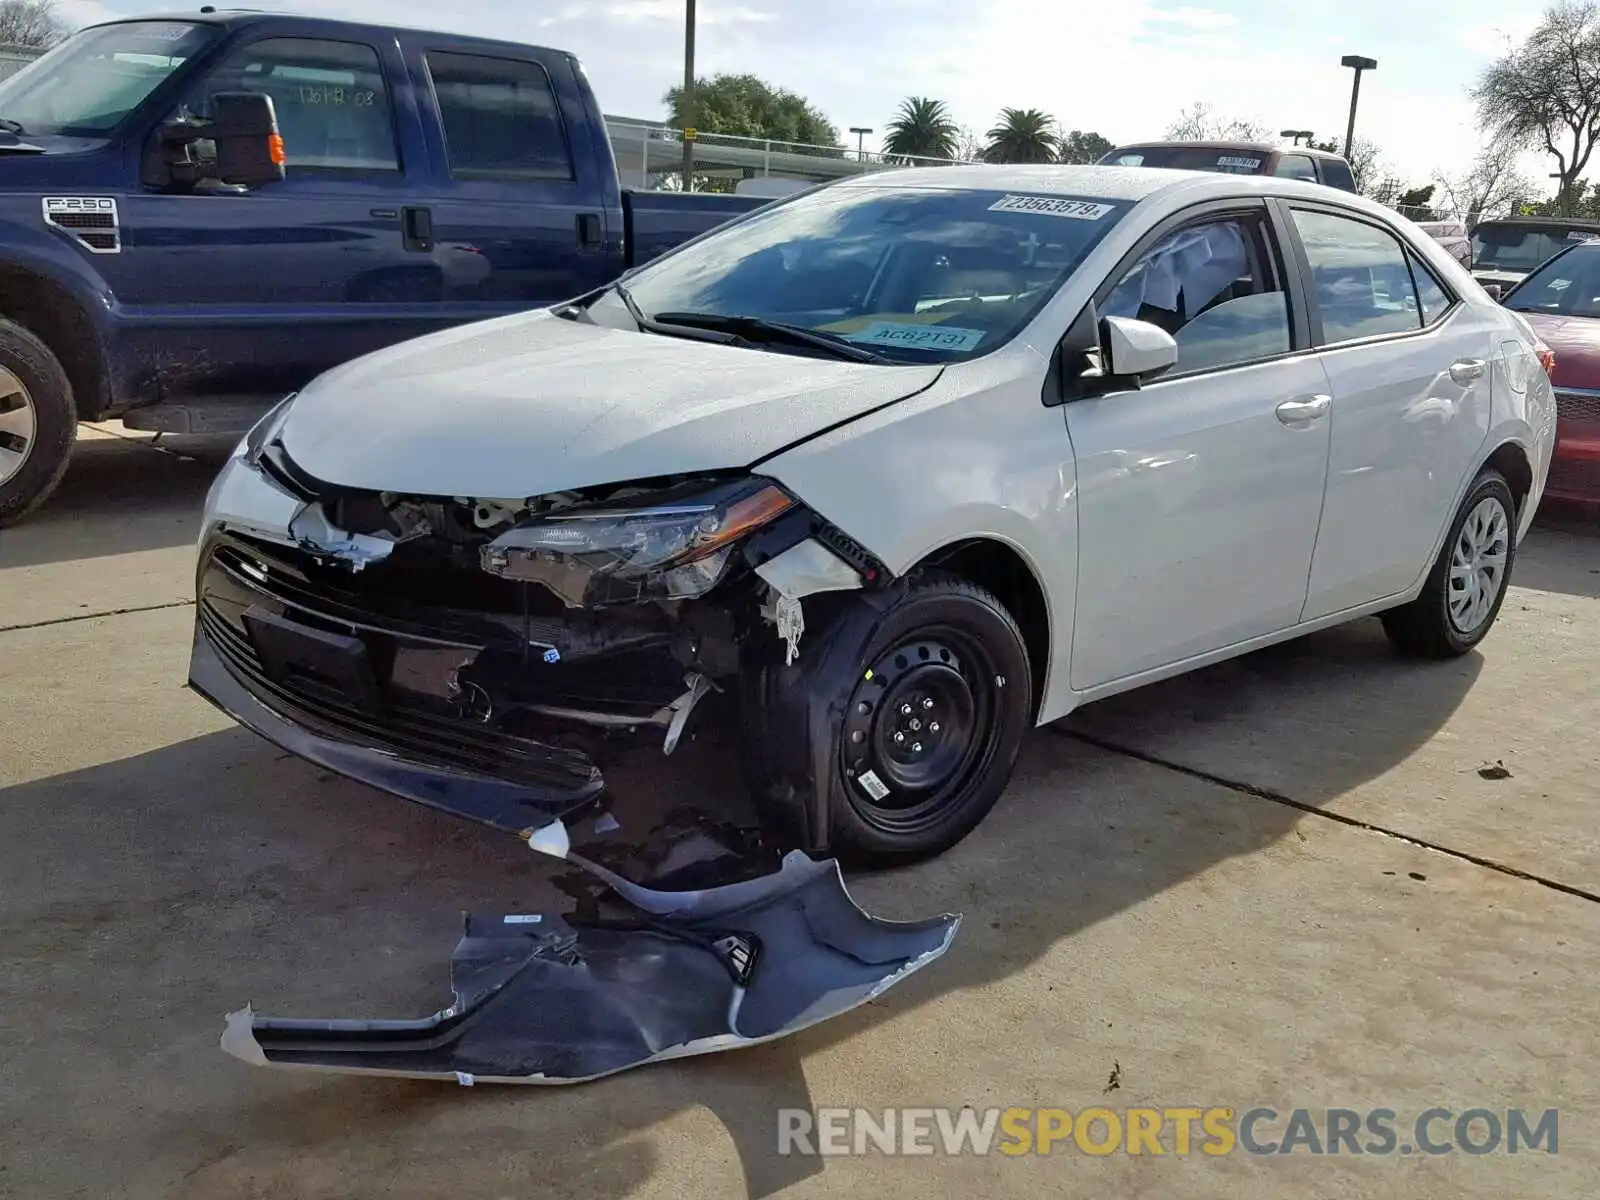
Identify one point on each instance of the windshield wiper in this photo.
(11, 126)
(759, 329)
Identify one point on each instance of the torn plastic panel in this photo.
(800, 571)
(543, 999)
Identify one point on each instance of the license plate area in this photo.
(335, 668)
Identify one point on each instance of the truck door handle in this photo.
(589, 230)
(1301, 412)
(1465, 370)
(416, 229)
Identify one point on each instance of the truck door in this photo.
(520, 208)
(256, 292)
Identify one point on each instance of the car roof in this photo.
(240, 17)
(1544, 222)
(1226, 144)
(1108, 183)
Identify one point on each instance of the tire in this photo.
(1444, 621)
(946, 648)
(38, 421)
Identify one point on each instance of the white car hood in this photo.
(526, 405)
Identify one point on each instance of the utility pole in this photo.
(686, 101)
(861, 132)
(1358, 64)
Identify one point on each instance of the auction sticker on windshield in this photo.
(1052, 206)
(1238, 161)
(918, 337)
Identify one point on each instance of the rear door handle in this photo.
(590, 233)
(416, 229)
(1465, 370)
(1302, 412)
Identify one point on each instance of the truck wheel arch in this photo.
(51, 313)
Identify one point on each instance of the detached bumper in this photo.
(223, 669)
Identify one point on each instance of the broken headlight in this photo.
(674, 547)
(263, 431)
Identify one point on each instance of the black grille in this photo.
(408, 726)
(1577, 406)
(84, 220)
(99, 241)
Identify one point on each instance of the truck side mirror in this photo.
(245, 132)
(238, 148)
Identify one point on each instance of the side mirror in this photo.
(245, 132)
(238, 148)
(1495, 290)
(1136, 350)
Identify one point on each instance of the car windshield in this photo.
(1191, 158)
(915, 274)
(1522, 247)
(86, 85)
(1570, 286)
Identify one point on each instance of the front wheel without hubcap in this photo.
(933, 724)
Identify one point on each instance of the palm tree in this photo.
(1024, 135)
(922, 129)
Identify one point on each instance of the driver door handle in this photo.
(1300, 412)
(1465, 370)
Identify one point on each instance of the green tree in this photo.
(1081, 147)
(1023, 135)
(1417, 202)
(748, 106)
(922, 128)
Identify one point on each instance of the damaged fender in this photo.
(542, 999)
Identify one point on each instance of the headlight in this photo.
(671, 550)
(263, 431)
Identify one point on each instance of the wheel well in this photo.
(1512, 462)
(49, 312)
(1000, 570)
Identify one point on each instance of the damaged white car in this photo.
(891, 471)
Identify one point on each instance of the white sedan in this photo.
(889, 472)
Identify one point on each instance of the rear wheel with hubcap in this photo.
(1462, 596)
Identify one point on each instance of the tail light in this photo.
(1547, 358)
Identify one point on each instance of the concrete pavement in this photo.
(1136, 911)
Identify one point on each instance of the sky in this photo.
(1125, 68)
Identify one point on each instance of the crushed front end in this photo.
(474, 654)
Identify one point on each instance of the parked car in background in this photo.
(894, 470)
(422, 180)
(1506, 249)
(1561, 300)
(1452, 235)
(1238, 158)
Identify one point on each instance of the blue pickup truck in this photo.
(406, 181)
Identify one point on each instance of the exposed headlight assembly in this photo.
(672, 549)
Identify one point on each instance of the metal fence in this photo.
(14, 58)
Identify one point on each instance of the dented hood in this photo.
(531, 404)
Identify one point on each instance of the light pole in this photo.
(861, 132)
(1296, 135)
(1358, 64)
(686, 101)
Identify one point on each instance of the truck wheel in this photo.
(38, 421)
(1458, 605)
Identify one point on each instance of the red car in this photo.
(1561, 300)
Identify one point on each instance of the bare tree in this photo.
(1545, 93)
(1200, 123)
(1490, 186)
(31, 23)
(969, 146)
(1366, 165)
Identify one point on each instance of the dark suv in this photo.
(1238, 158)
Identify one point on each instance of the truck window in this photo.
(500, 118)
(1297, 166)
(332, 101)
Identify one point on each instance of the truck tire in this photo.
(38, 421)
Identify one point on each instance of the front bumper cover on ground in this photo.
(541, 999)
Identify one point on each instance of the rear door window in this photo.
(1361, 278)
(501, 118)
(1297, 166)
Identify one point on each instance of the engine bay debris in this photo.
(647, 976)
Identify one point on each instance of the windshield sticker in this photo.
(1577, 235)
(918, 337)
(1052, 206)
(1233, 160)
(162, 31)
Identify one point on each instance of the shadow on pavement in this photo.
(1561, 552)
(147, 897)
(120, 495)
